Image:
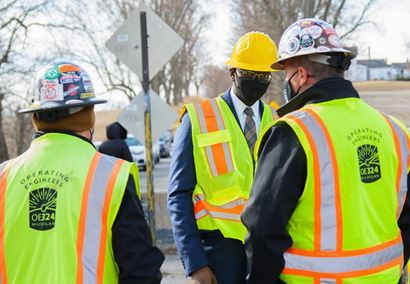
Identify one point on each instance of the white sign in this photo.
(162, 117)
(163, 42)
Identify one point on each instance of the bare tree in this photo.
(17, 19)
(273, 17)
(174, 80)
(216, 80)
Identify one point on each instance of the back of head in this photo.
(64, 100)
(116, 131)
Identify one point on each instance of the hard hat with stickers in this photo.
(62, 85)
(309, 37)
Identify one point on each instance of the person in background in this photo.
(115, 145)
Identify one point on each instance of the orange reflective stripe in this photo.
(83, 213)
(104, 219)
(212, 125)
(210, 120)
(398, 261)
(338, 206)
(345, 253)
(317, 182)
(229, 211)
(3, 186)
(205, 205)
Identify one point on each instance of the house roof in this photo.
(401, 65)
(374, 63)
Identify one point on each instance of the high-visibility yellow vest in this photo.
(58, 202)
(223, 164)
(344, 228)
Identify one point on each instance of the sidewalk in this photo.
(172, 271)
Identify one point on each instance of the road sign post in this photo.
(147, 122)
(127, 44)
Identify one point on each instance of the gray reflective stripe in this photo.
(2, 167)
(225, 145)
(345, 263)
(404, 156)
(216, 214)
(327, 183)
(220, 215)
(200, 214)
(208, 150)
(327, 281)
(93, 217)
(201, 118)
(232, 204)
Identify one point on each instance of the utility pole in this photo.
(147, 122)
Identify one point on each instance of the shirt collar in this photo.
(240, 106)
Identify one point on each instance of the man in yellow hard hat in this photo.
(69, 214)
(328, 202)
(212, 166)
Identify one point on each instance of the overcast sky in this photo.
(386, 37)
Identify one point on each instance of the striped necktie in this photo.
(250, 129)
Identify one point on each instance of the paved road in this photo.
(161, 172)
(172, 271)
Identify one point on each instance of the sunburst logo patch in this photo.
(42, 209)
(369, 163)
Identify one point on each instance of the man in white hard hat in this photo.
(328, 203)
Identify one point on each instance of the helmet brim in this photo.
(278, 65)
(48, 106)
(251, 67)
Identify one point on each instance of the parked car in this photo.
(137, 150)
(97, 144)
(164, 147)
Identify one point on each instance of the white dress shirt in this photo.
(240, 111)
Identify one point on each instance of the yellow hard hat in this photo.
(254, 51)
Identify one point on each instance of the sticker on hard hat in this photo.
(293, 45)
(335, 41)
(306, 41)
(52, 73)
(51, 92)
(72, 90)
(294, 31)
(315, 31)
(87, 95)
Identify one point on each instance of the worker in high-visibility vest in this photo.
(69, 214)
(328, 203)
(212, 166)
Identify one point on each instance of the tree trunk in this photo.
(4, 155)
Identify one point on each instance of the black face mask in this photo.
(249, 91)
(288, 92)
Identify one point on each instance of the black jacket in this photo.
(115, 145)
(278, 184)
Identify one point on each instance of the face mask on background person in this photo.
(251, 86)
(288, 92)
